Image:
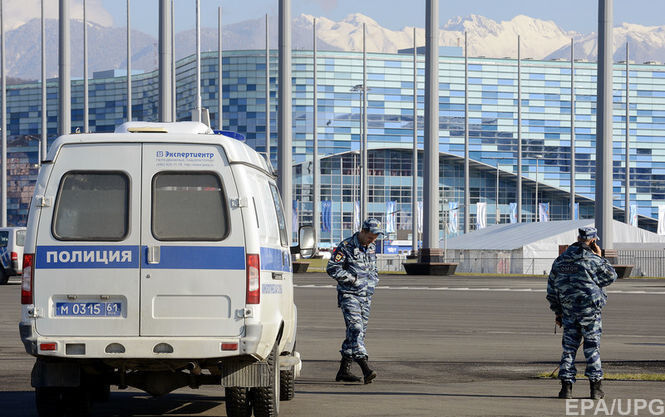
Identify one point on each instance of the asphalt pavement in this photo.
(442, 346)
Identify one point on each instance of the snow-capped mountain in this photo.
(540, 39)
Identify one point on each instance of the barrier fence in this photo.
(645, 264)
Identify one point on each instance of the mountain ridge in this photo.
(540, 39)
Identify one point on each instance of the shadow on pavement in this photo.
(424, 394)
(22, 404)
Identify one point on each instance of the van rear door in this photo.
(86, 277)
(193, 256)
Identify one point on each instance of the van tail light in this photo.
(28, 278)
(14, 256)
(253, 279)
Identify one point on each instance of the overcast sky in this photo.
(579, 15)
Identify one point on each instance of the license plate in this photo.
(110, 309)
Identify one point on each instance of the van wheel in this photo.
(4, 277)
(265, 400)
(50, 401)
(287, 385)
(237, 402)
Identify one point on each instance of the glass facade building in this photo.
(493, 106)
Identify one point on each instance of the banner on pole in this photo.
(356, 216)
(661, 220)
(420, 217)
(513, 212)
(453, 217)
(326, 215)
(391, 215)
(576, 213)
(544, 212)
(633, 215)
(481, 215)
(294, 217)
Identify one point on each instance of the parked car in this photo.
(12, 240)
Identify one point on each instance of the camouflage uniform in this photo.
(575, 293)
(353, 266)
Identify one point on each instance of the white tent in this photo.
(530, 248)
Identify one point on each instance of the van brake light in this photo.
(27, 279)
(253, 279)
(14, 256)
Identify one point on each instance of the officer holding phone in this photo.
(575, 293)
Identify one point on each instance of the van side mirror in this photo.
(306, 242)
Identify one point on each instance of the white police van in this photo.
(12, 240)
(157, 257)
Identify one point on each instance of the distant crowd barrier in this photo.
(647, 263)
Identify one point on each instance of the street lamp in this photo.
(537, 212)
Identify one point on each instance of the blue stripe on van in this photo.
(197, 257)
(275, 259)
(79, 257)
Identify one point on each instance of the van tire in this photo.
(4, 277)
(237, 402)
(50, 401)
(265, 400)
(287, 385)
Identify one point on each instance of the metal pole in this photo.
(198, 60)
(174, 100)
(497, 193)
(285, 150)
(165, 55)
(627, 204)
(431, 148)
(572, 129)
(341, 201)
(414, 165)
(603, 207)
(365, 164)
(467, 195)
(129, 63)
(3, 82)
(519, 131)
(64, 64)
(220, 104)
(267, 88)
(86, 122)
(315, 161)
(537, 210)
(44, 144)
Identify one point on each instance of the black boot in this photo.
(368, 373)
(566, 390)
(344, 373)
(596, 388)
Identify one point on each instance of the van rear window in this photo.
(188, 206)
(92, 206)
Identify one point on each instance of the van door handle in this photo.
(277, 275)
(153, 254)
